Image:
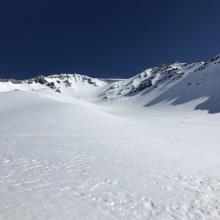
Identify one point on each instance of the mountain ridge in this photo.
(175, 83)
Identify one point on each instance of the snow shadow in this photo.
(200, 84)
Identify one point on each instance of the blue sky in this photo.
(104, 38)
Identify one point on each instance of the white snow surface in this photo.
(75, 85)
(150, 155)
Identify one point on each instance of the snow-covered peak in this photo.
(72, 84)
(216, 58)
(174, 86)
(77, 78)
(149, 78)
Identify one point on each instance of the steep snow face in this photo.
(77, 85)
(180, 85)
(200, 88)
(150, 78)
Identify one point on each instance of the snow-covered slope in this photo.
(196, 84)
(72, 84)
(149, 78)
(75, 147)
(64, 158)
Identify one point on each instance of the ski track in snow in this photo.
(94, 166)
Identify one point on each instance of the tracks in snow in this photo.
(62, 161)
(64, 187)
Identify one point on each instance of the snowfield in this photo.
(148, 155)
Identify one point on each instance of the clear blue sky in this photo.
(104, 38)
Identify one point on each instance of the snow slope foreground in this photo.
(65, 158)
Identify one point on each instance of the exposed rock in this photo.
(67, 83)
(41, 80)
(51, 85)
(58, 90)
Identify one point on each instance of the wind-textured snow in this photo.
(141, 148)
